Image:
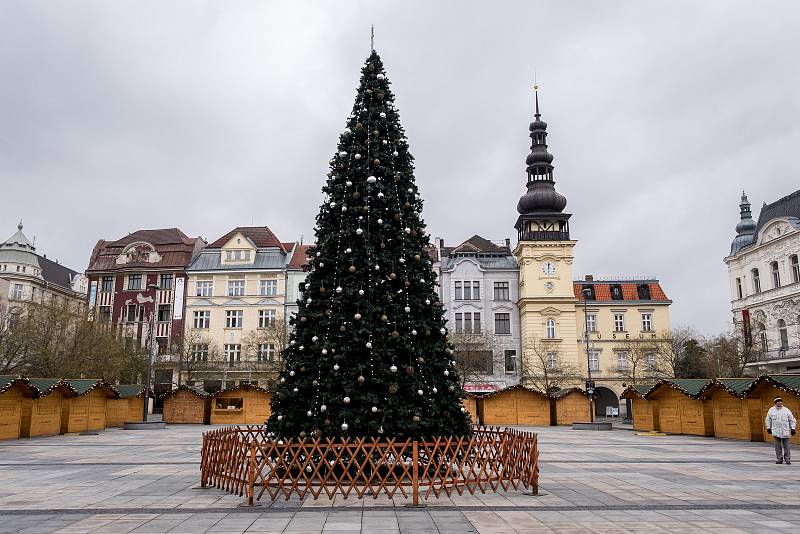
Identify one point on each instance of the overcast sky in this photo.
(116, 116)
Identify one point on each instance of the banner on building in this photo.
(177, 302)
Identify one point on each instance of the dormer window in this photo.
(588, 292)
(644, 291)
(237, 255)
(616, 292)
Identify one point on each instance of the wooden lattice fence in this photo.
(244, 461)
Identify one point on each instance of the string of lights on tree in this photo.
(368, 354)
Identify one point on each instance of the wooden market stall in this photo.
(129, 407)
(41, 415)
(241, 405)
(13, 392)
(737, 415)
(186, 405)
(682, 406)
(645, 412)
(572, 406)
(516, 405)
(470, 402)
(86, 410)
(787, 387)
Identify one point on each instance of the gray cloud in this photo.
(126, 115)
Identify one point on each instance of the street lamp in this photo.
(150, 352)
(589, 384)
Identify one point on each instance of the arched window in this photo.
(756, 281)
(762, 336)
(783, 333)
(795, 268)
(776, 274)
(551, 329)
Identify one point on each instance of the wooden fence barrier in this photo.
(241, 459)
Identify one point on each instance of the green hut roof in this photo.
(6, 381)
(197, 391)
(691, 387)
(82, 386)
(46, 386)
(790, 383)
(561, 393)
(639, 390)
(129, 390)
(737, 386)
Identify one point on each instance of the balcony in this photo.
(778, 355)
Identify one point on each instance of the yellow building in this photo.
(626, 319)
(235, 324)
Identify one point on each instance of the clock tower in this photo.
(544, 253)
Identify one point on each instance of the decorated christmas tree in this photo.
(369, 354)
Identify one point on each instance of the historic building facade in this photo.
(764, 276)
(26, 276)
(479, 288)
(242, 289)
(137, 284)
(626, 320)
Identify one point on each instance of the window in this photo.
(204, 288)
(550, 329)
(591, 322)
(502, 323)
(476, 323)
(650, 361)
(134, 282)
(130, 316)
(552, 360)
(237, 255)
(235, 288)
(161, 345)
(268, 288)
(762, 336)
(467, 290)
(233, 354)
(458, 291)
(476, 290)
(202, 319)
(776, 275)
(266, 318)
(468, 323)
(588, 292)
(511, 361)
(104, 314)
(164, 313)
(501, 291)
(647, 322)
(643, 290)
(739, 288)
(619, 322)
(616, 292)
(165, 281)
(622, 361)
(594, 360)
(107, 284)
(459, 322)
(17, 293)
(795, 268)
(756, 281)
(141, 313)
(200, 352)
(266, 352)
(233, 318)
(783, 334)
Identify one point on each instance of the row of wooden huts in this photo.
(519, 405)
(32, 407)
(241, 405)
(722, 407)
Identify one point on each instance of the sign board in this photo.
(177, 302)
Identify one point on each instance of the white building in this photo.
(764, 280)
(479, 288)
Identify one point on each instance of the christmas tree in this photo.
(369, 354)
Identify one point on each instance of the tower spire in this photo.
(536, 92)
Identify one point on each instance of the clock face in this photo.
(549, 268)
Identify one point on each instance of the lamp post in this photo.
(589, 384)
(150, 350)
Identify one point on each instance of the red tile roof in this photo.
(261, 236)
(300, 257)
(602, 290)
(174, 247)
(477, 243)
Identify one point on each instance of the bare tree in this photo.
(732, 352)
(675, 348)
(198, 355)
(476, 355)
(543, 367)
(263, 349)
(643, 361)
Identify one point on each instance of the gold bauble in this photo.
(352, 268)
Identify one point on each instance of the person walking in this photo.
(782, 425)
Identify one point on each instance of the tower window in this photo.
(795, 268)
(616, 292)
(588, 292)
(739, 287)
(756, 281)
(551, 329)
(784, 335)
(776, 275)
(644, 291)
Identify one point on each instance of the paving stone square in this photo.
(121, 481)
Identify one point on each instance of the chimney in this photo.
(589, 278)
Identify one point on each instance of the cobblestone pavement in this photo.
(147, 482)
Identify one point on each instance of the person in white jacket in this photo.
(782, 425)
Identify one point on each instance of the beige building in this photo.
(25, 276)
(627, 319)
(236, 309)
